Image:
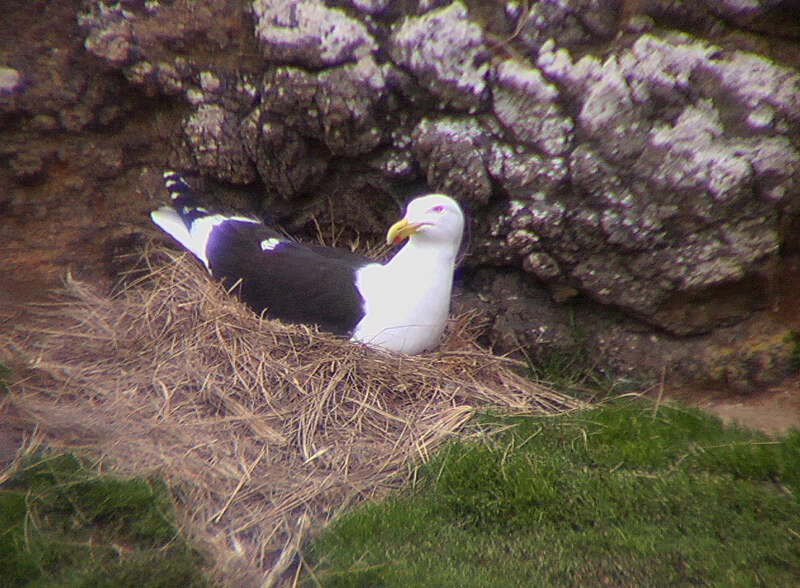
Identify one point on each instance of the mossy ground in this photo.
(617, 495)
(63, 523)
(623, 494)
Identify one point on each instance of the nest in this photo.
(264, 430)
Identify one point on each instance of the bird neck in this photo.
(423, 255)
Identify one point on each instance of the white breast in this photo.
(407, 302)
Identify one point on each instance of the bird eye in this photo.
(438, 208)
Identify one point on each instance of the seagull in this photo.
(398, 306)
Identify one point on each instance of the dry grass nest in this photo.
(264, 430)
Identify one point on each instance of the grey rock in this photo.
(617, 95)
(44, 123)
(527, 106)
(349, 100)
(309, 33)
(336, 112)
(163, 77)
(521, 313)
(209, 82)
(110, 33)
(541, 265)
(694, 156)
(671, 204)
(520, 172)
(374, 7)
(762, 95)
(76, 117)
(337, 106)
(140, 72)
(445, 53)
(394, 164)
(742, 357)
(148, 45)
(451, 153)
(522, 232)
(288, 163)
(213, 137)
(289, 93)
(30, 163)
(463, 155)
(741, 12)
(570, 22)
(10, 80)
(397, 161)
(170, 77)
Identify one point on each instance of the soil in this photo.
(773, 410)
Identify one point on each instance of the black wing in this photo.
(291, 281)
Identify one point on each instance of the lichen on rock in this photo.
(10, 80)
(450, 150)
(308, 32)
(667, 177)
(528, 108)
(444, 51)
(110, 36)
(214, 139)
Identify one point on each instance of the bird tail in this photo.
(178, 220)
(184, 198)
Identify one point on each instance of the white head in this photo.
(434, 218)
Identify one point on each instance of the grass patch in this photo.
(573, 372)
(614, 495)
(62, 523)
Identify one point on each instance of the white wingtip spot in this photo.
(169, 173)
(270, 244)
(174, 195)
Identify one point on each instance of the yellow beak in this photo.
(400, 230)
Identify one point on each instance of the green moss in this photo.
(793, 339)
(616, 495)
(64, 524)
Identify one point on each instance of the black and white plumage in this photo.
(401, 305)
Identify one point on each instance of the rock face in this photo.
(309, 33)
(444, 52)
(613, 164)
(666, 199)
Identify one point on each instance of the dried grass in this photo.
(263, 429)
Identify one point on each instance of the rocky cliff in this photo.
(631, 169)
